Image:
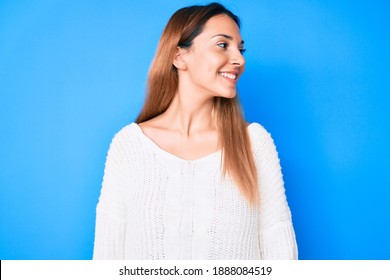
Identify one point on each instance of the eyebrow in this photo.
(227, 37)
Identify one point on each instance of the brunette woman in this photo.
(191, 179)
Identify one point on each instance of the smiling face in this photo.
(214, 62)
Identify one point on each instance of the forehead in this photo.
(221, 24)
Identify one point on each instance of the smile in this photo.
(228, 75)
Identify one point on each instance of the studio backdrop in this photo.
(73, 73)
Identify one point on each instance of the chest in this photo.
(187, 196)
(187, 210)
(191, 147)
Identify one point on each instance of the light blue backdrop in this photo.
(72, 73)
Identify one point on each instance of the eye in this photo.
(242, 51)
(223, 45)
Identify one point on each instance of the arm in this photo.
(111, 210)
(276, 232)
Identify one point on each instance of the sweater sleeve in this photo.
(276, 232)
(111, 209)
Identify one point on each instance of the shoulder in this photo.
(124, 140)
(153, 128)
(256, 128)
(156, 127)
(126, 133)
(258, 133)
(263, 145)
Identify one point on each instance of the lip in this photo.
(235, 72)
(233, 81)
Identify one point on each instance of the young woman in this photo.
(190, 179)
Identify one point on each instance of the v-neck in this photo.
(154, 146)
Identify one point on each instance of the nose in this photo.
(237, 58)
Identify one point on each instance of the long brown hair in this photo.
(184, 25)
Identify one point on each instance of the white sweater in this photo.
(155, 205)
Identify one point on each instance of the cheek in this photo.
(205, 65)
(212, 62)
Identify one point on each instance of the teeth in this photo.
(229, 76)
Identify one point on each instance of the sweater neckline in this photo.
(153, 145)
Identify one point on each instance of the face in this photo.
(214, 62)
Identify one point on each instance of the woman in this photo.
(190, 179)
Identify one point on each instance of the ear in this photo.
(179, 59)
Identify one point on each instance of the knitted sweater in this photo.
(155, 205)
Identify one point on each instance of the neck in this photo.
(190, 115)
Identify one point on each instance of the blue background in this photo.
(72, 73)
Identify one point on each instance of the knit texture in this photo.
(155, 205)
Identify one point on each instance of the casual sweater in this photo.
(155, 205)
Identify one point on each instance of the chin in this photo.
(228, 95)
